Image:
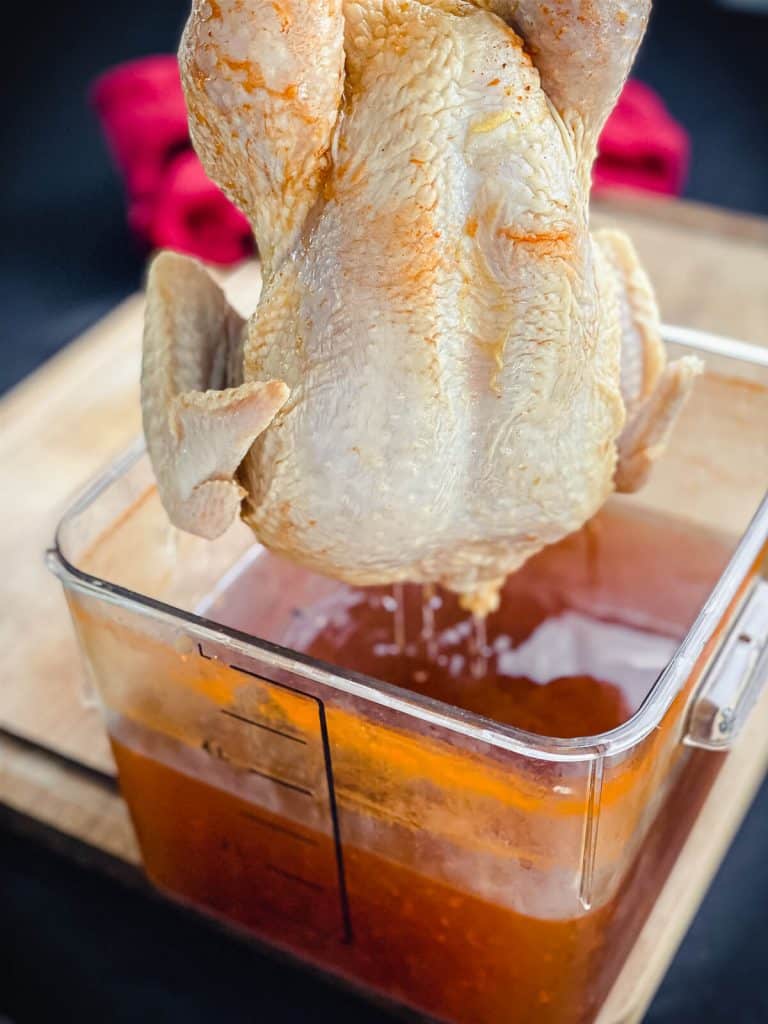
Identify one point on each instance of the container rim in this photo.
(470, 724)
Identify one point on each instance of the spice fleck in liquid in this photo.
(434, 870)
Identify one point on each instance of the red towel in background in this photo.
(191, 214)
(171, 201)
(642, 146)
(173, 204)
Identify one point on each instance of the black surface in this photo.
(78, 946)
(66, 256)
(74, 947)
(710, 66)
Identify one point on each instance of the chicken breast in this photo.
(446, 371)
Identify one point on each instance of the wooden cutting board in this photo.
(58, 429)
(68, 420)
(72, 417)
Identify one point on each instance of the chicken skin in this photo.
(446, 371)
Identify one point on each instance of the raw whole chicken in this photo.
(446, 371)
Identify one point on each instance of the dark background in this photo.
(74, 947)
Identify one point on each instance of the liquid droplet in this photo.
(398, 611)
(428, 620)
(479, 647)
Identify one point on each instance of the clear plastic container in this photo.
(454, 864)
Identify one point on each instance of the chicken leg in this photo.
(583, 50)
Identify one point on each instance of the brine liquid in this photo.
(415, 940)
(462, 863)
(435, 947)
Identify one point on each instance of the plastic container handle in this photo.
(735, 678)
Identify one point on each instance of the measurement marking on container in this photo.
(336, 829)
(296, 878)
(260, 725)
(279, 828)
(281, 782)
(277, 911)
(326, 748)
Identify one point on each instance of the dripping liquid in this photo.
(583, 631)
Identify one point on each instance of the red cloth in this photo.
(192, 215)
(642, 146)
(171, 201)
(173, 204)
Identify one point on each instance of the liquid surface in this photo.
(583, 631)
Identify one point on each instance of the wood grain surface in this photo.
(58, 429)
(68, 420)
